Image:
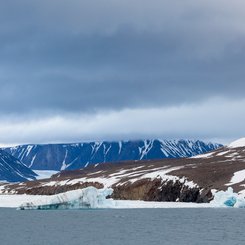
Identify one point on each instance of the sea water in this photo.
(116, 227)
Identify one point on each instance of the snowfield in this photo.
(44, 174)
(238, 143)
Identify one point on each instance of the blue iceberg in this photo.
(228, 199)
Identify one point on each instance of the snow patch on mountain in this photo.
(207, 155)
(238, 177)
(237, 143)
(44, 174)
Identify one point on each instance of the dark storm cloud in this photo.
(84, 56)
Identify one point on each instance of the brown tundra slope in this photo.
(186, 179)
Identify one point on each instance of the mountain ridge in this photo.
(79, 155)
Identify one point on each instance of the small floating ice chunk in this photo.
(228, 199)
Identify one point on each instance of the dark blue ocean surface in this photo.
(114, 227)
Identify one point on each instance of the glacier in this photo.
(89, 197)
(92, 198)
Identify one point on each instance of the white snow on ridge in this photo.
(207, 155)
(238, 143)
(163, 174)
(238, 177)
(222, 153)
(134, 173)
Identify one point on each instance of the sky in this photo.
(85, 70)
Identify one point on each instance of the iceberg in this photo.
(228, 199)
(86, 198)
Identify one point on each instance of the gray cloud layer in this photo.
(200, 121)
(85, 56)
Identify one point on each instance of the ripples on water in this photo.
(114, 227)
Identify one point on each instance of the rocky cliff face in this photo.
(76, 156)
(155, 190)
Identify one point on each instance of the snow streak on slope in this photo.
(74, 156)
(233, 152)
(12, 170)
(132, 175)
